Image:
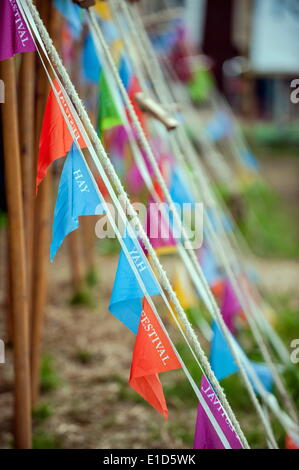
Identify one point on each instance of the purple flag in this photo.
(230, 307)
(206, 436)
(14, 34)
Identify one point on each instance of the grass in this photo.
(83, 356)
(42, 412)
(44, 440)
(82, 298)
(268, 226)
(3, 220)
(108, 246)
(49, 379)
(92, 278)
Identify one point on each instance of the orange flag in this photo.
(55, 139)
(152, 354)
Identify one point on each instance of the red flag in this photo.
(290, 443)
(152, 354)
(55, 139)
(135, 88)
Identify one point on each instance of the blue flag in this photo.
(264, 374)
(222, 361)
(72, 13)
(91, 67)
(179, 190)
(77, 195)
(220, 126)
(125, 71)
(249, 160)
(127, 295)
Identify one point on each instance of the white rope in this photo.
(110, 170)
(158, 79)
(97, 32)
(151, 157)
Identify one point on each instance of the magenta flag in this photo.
(206, 436)
(14, 34)
(158, 228)
(230, 307)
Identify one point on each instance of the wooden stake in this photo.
(75, 261)
(42, 222)
(26, 119)
(17, 257)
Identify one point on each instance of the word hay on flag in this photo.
(55, 139)
(14, 34)
(206, 436)
(152, 355)
(127, 295)
(77, 195)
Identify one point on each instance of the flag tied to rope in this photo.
(56, 139)
(206, 436)
(152, 355)
(77, 195)
(224, 365)
(126, 298)
(109, 116)
(14, 34)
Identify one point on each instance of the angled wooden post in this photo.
(17, 259)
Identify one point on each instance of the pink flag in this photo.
(158, 229)
(230, 307)
(206, 436)
(14, 34)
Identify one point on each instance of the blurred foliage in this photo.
(267, 225)
(92, 278)
(3, 220)
(82, 298)
(49, 379)
(273, 137)
(44, 440)
(41, 412)
(108, 246)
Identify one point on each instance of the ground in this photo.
(86, 401)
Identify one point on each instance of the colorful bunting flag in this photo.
(72, 13)
(55, 139)
(222, 361)
(14, 34)
(264, 374)
(108, 116)
(126, 298)
(230, 307)
(77, 195)
(220, 127)
(206, 436)
(179, 189)
(290, 443)
(158, 229)
(152, 355)
(91, 67)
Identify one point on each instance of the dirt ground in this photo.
(90, 353)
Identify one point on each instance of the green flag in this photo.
(108, 115)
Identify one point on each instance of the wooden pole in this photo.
(75, 261)
(42, 216)
(17, 257)
(26, 120)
